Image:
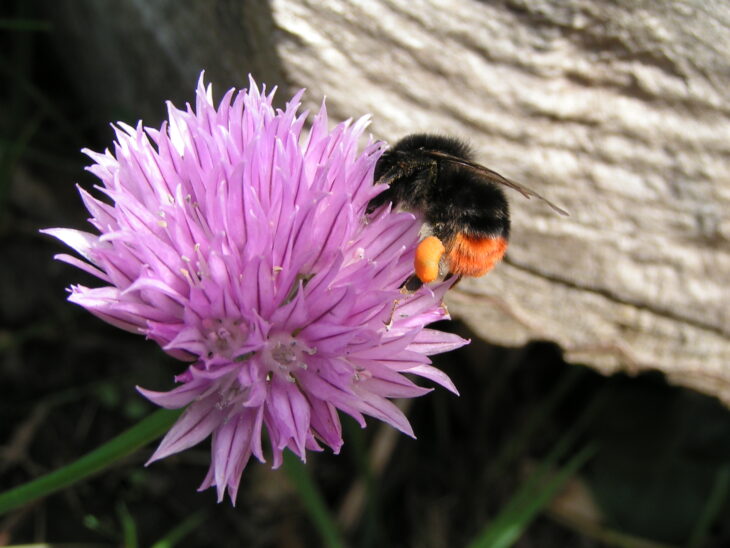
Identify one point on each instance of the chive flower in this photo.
(240, 243)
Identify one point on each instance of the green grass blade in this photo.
(509, 524)
(560, 449)
(181, 531)
(517, 444)
(25, 25)
(313, 501)
(147, 430)
(129, 526)
(714, 505)
(522, 508)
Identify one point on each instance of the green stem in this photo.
(712, 508)
(313, 501)
(511, 522)
(181, 530)
(147, 430)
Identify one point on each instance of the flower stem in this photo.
(313, 501)
(147, 430)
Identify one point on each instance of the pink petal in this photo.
(195, 424)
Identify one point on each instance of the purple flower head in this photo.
(240, 243)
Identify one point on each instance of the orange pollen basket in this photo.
(428, 256)
(475, 256)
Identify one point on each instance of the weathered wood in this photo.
(619, 111)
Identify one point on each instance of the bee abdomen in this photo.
(473, 255)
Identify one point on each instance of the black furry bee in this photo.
(465, 211)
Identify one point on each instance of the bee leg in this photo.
(427, 259)
(412, 284)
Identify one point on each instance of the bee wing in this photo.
(495, 177)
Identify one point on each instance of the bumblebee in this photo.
(464, 209)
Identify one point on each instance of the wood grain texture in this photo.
(618, 111)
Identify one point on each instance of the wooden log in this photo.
(619, 111)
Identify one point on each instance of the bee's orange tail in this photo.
(473, 256)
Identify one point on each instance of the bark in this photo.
(618, 111)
